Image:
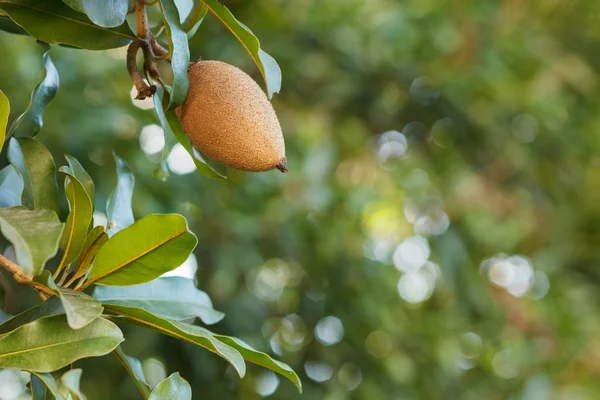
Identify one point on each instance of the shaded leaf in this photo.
(36, 166)
(50, 307)
(94, 241)
(34, 235)
(71, 380)
(174, 298)
(31, 121)
(155, 244)
(82, 176)
(180, 52)
(173, 387)
(119, 211)
(11, 187)
(108, 14)
(195, 18)
(171, 125)
(4, 113)
(7, 25)
(134, 369)
(46, 381)
(78, 221)
(266, 64)
(48, 344)
(180, 330)
(262, 359)
(52, 21)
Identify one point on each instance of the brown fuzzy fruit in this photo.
(228, 117)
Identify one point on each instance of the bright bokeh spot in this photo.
(152, 139)
(267, 383)
(180, 161)
(411, 254)
(413, 287)
(318, 371)
(329, 330)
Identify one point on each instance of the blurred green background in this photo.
(437, 236)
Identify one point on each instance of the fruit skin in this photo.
(228, 117)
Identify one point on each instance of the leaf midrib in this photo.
(32, 349)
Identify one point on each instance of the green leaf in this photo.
(11, 187)
(47, 381)
(134, 369)
(180, 52)
(171, 125)
(71, 380)
(4, 113)
(262, 359)
(80, 308)
(36, 166)
(52, 21)
(34, 235)
(48, 344)
(50, 307)
(82, 176)
(155, 244)
(266, 64)
(30, 122)
(7, 25)
(94, 241)
(180, 330)
(172, 388)
(78, 221)
(108, 14)
(174, 298)
(194, 19)
(119, 211)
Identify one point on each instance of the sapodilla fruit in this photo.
(228, 117)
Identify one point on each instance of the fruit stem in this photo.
(144, 90)
(281, 165)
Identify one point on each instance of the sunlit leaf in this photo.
(36, 166)
(78, 221)
(108, 14)
(93, 242)
(119, 211)
(266, 64)
(71, 380)
(134, 369)
(174, 298)
(33, 233)
(173, 387)
(4, 113)
(82, 176)
(52, 21)
(179, 50)
(180, 330)
(155, 244)
(11, 187)
(48, 344)
(30, 122)
(171, 125)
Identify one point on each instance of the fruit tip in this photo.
(281, 165)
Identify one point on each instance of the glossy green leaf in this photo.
(173, 387)
(119, 208)
(180, 52)
(52, 21)
(36, 166)
(31, 121)
(78, 221)
(80, 308)
(8, 25)
(134, 369)
(171, 125)
(71, 381)
(155, 244)
(174, 298)
(94, 241)
(266, 64)
(4, 113)
(108, 14)
(48, 344)
(33, 233)
(82, 176)
(47, 381)
(11, 187)
(50, 307)
(262, 359)
(195, 18)
(180, 330)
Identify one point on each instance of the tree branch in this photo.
(19, 276)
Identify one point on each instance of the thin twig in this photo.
(19, 276)
(144, 90)
(142, 19)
